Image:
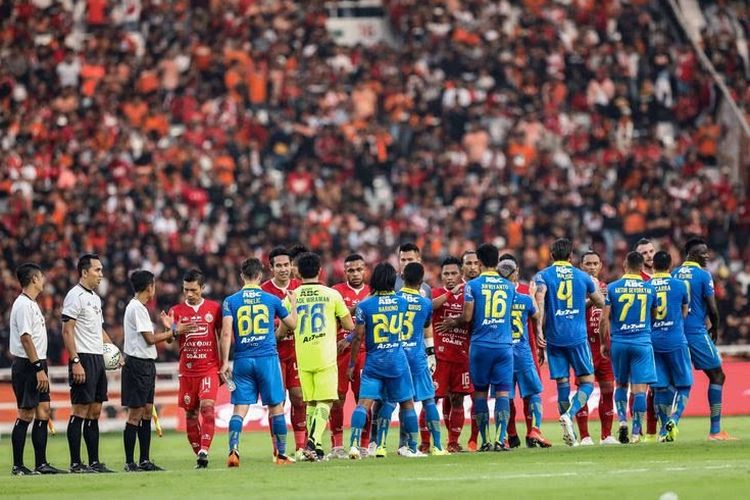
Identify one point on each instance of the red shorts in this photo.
(452, 378)
(290, 373)
(343, 362)
(603, 371)
(195, 389)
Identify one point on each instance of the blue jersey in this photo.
(253, 312)
(700, 286)
(523, 307)
(668, 330)
(565, 303)
(631, 300)
(492, 296)
(418, 317)
(383, 318)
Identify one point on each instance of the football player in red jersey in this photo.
(197, 324)
(451, 350)
(354, 290)
(282, 281)
(591, 263)
(646, 248)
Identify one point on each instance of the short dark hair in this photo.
(252, 268)
(353, 257)
(561, 249)
(487, 254)
(26, 272)
(408, 247)
(295, 251)
(634, 261)
(693, 242)
(413, 274)
(194, 275)
(662, 261)
(508, 256)
(588, 252)
(451, 261)
(308, 265)
(84, 263)
(383, 278)
(642, 241)
(140, 279)
(278, 252)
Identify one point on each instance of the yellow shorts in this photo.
(320, 385)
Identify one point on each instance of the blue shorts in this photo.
(423, 387)
(528, 381)
(253, 376)
(397, 389)
(491, 366)
(633, 363)
(562, 359)
(703, 351)
(673, 368)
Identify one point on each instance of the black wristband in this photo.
(38, 366)
(430, 351)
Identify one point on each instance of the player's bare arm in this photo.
(713, 317)
(153, 338)
(42, 382)
(597, 299)
(468, 312)
(359, 334)
(541, 291)
(281, 331)
(604, 328)
(225, 345)
(291, 320)
(347, 323)
(69, 340)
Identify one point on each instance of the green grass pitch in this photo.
(689, 468)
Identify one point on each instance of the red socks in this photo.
(299, 424)
(424, 432)
(606, 412)
(582, 418)
(650, 413)
(336, 420)
(194, 433)
(512, 431)
(206, 429)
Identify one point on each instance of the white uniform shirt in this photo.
(85, 307)
(137, 320)
(26, 318)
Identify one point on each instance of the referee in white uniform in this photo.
(28, 345)
(139, 372)
(84, 336)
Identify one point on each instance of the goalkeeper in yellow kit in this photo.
(319, 310)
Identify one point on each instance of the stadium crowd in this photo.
(168, 134)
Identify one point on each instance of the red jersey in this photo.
(199, 350)
(524, 289)
(452, 345)
(645, 276)
(285, 345)
(593, 315)
(351, 298)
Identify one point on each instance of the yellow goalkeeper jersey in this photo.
(318, 308)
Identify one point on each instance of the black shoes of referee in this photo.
(202, 462)
(94, 468)
(144, 466)
(43, 469)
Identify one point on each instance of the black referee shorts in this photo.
(94, 389)
(23, 379)
(138, 382)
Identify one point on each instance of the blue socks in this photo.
(278, 427)
(359, 418)
(535, 404)
(433, 421)
(563, 397)
(580, 397)
(639, 411)
(502, 414)
(681, 400)
(482, 416)
(384, 422)
(235, 429)
(621, 403)
(714, 402)
(410, 425)
(662, 406)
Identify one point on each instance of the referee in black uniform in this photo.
(139, 372)
(28, 344)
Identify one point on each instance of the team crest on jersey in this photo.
(186, 399)
(209, 318)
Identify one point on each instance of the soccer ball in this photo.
(111, 357)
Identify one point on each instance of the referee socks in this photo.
(74, 439)
(39, 440)
(91, 436)
(18, 438)
(128, 438)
